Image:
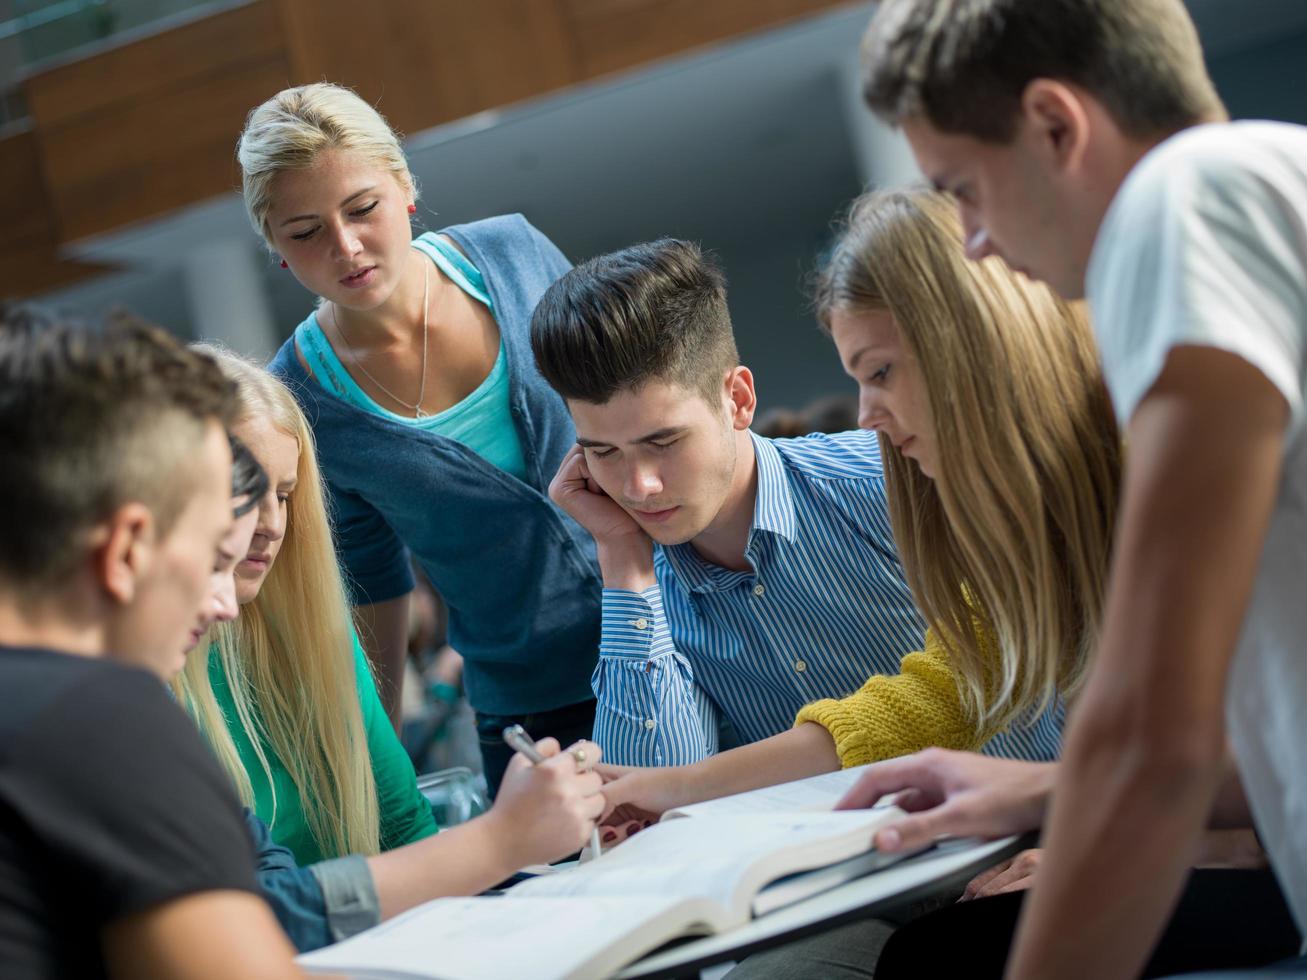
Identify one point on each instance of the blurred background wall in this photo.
(735, 123)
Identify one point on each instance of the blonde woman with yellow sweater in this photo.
(1003, 465)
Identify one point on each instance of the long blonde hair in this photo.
(1006, 551)
(289, 130)
(288, 656)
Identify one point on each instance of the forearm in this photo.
(1123, 827)
(806, 750)
(383, 632)
(464, 860)
(1145, 756)
(626, 563)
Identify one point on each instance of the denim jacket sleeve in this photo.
(318, 905)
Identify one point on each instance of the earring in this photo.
(412, 209)
(284, 265)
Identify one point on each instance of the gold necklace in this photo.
(416, 409)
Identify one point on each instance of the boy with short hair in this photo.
(1086, 145)
(122, 848)
(743, 577)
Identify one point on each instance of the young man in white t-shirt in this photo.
(1085, 145)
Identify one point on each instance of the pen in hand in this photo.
(519, 741)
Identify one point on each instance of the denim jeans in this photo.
(568, 725)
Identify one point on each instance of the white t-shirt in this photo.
(1206, 244)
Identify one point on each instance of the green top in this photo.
(405, 814)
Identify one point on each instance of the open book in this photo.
(814, 793)
(680, 877)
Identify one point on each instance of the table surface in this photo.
(949, 862)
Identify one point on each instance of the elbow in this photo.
(1177, 765)
(1173, 752)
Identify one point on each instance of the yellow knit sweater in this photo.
(891, 716)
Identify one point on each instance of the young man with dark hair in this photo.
(743, 577)
(1086, 145)
(122, 848)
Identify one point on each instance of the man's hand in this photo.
(575, 490)
(957, 793)
(625, 551)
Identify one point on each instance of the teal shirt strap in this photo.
(455, 265)
(405, 813)
(318, 353)
(482, 421)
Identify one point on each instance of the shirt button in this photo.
(800, 666)
(650, 724)
(641, 623)
(759, 589)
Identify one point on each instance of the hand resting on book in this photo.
(957, 794)
(642, 793)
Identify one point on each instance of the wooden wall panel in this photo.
(141, 129)
(611, 35)
(424, 62)
(22, 191)
(148, 157)
(28, 260)
(140, 70)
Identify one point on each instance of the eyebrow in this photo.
(672, 430)
(869, 349)
(344, 203)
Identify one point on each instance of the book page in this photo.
(714, 857)
(814, 793)
(508, 939)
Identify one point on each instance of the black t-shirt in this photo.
(109, 803)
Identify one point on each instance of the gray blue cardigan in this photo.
(519, 576)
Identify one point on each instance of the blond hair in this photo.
(288, 131)
(1006, 551)
(288, 657)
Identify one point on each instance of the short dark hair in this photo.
(93, 416)
(651, 312)
(249, 480)
(962, 65)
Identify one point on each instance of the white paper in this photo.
(812, 794)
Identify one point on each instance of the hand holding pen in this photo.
(584, 754)
(551, 798)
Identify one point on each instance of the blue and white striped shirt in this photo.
(824, 608)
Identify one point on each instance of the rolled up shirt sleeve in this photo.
(896, 714)
(318, 905)
(349, 895)
(650, 711)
